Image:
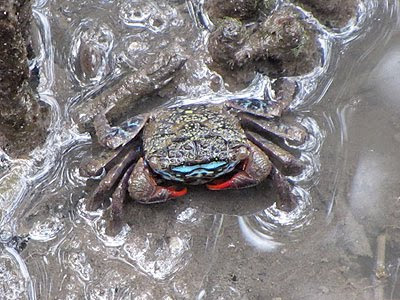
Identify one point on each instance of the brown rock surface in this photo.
(21, 117)
(332, 13)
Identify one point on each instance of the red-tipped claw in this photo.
(144, 189)
(176, 193)
(220, 185)
(255, 169)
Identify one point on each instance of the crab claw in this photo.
(144, 189)
(176, 192)
(256, 169)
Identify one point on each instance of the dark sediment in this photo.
(281, 44)
(239, 9)
(22, 118)
(332, 13)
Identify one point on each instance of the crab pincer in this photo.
(144, 189)
(255, 169)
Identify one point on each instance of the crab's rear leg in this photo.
(293, 133)
(117, 199)
(269, 107)
(256, 169)
(144, 189)
(287, 200)
(285, 91)
(287, 162)
(113, 137)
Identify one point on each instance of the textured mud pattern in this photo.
(341, 242)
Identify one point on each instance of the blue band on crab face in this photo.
(209, 166)
(198, 174)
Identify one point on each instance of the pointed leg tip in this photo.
(114, 227)
(287, 205)
(93, 204)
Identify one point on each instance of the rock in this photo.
(22, 118)
(332, 13)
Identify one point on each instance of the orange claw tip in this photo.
(220, 186)
(176, 193)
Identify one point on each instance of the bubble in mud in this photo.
(98, 293)
(136, 13)
(158, 256)
(12, 283)
(78, 262)
(46, 230)
(136, 50)
(90, 60)
(188, 216)
(148, 14)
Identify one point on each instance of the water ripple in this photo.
(15, 280)
(157, 256)
(43, 196)
(89, 61)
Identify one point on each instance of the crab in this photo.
(228, 145)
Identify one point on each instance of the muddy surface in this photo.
(335, 14)
(341, 242)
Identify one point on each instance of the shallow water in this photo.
(342, 242)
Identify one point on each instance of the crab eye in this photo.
(242, 153)
(156, 163)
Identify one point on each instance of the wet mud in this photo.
(341, 242)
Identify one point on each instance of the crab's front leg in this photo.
(256, 169)
(144, 189)
(113, 137)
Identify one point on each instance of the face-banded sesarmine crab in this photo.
(225, 146)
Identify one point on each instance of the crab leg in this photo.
(144, 189)
(113, 137)
(94, 166)
(110, 179)
(120, 192)
(289, 164)
(268, 107)
(255, 170)
(290, 133)
(117, 201)
(287, 200)
(285, 91)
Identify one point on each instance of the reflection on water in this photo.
(51, 246)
